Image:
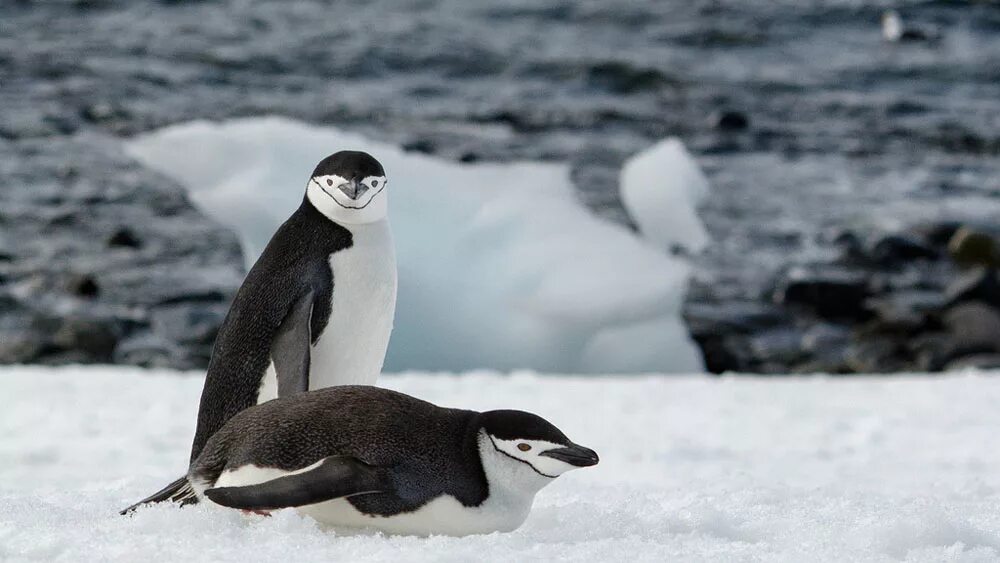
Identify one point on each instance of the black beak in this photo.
(574, 455)
(350, 188)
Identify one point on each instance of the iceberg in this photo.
(499, 265)
(661, 188)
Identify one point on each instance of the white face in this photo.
(528, 453)
(349, 202)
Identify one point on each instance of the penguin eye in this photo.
(374, 183)
(329, 182)
(524, 447)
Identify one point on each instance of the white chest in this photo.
(352, 346)
(442, 516)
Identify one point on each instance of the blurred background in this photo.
(765, 186)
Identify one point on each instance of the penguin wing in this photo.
(290, 349)
(333, 477)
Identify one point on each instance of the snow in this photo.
(499, 265)
(661, 188)
(692, 469)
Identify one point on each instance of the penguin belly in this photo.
(351, 348)
(443, 515)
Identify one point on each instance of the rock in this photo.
(150, 350)
(421, 145)
(972, 328)
(779, 346)
(969, 248)
(730, 120)
(189, 322)
(877, 355)
(978, 284)
(900, 249)
(124, 238)
(975, 361)
(826, 339)
(907, 309)
(19, 347)
(739, 317)
(937, 234)
(829, 296)
(70, 299)
(93, 340)
(84, 286)
(722, 353)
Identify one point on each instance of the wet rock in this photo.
(741, 317)
(722, 353)
(70, 299)
(974, 361)
(19, 347)
(829, 296)
(92, 340)
(826, 339)
(977, 284)
(877, 355)
(720, 331)
(124, 238)
(898, 249)
(84, 286)
(969, 248)
(730, 120)
(782, 346)
(150, 350)
(424, 146)
(189, 322)
(938, 234)
(907, 309)
(623, 78)
(972, 328)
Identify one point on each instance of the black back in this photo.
(421, 449)
(294, 262)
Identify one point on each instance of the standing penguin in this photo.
(315, 310)
(361, 456)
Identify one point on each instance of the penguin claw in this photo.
(258, 512)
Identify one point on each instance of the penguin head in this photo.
(349, 188)
(527, 450)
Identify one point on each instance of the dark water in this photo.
(843, 128)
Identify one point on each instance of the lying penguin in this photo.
(365, 457)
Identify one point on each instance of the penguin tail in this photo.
(179, 492)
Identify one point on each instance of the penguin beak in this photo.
(350, 188)
(574, 455)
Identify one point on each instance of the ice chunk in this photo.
(499, 265)
(661, 188)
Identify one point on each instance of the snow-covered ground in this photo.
(692, 468)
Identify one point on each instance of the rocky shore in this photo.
(102, 261)
(836, 187)
(923, 300)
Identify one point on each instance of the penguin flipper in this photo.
(333, 477)
(290, 349)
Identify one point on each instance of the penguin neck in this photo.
(510, 482)
(311, 213)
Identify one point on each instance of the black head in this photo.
(349, 165)
(532, 440)
(514, 425)
(349, 188)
